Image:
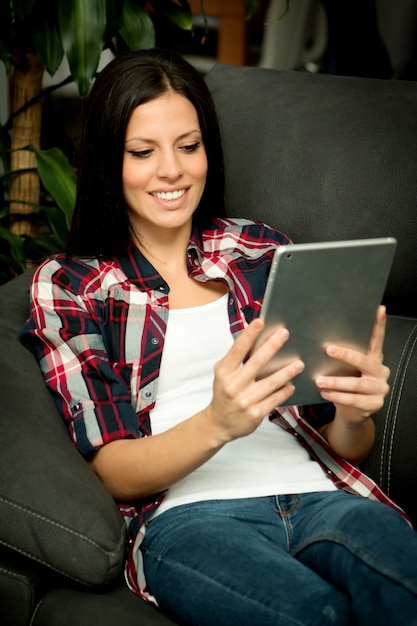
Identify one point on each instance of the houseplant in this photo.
(37, 187)
(35, 36)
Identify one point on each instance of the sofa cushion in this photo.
(22, 585)
(53, 509)
(113, 606)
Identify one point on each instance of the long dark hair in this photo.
(100, 225)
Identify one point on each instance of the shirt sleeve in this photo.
(67, 336)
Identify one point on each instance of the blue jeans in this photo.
(315, 559)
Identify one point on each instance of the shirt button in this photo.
(154, 341)
(148, 394)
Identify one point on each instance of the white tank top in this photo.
(268, 462)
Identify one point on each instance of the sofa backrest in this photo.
(324, 158)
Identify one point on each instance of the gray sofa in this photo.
(319, 157)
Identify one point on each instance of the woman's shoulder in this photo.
(247, 230)
(62, 263)
(72, 273)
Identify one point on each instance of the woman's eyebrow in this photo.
(179, 138)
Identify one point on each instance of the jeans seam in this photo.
(284, 513)
(175, 565)
(365, 556)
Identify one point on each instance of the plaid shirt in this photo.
(97, 329)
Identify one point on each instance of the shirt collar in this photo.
(143, 274)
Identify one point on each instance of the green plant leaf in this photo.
(58, 177)
(4, 212)
(180, 14)
(21, 8)
(51, 216)
(251, 6)
(136, 28)
(82, 26)
(47, 40)
(41, 244)
(16, 249)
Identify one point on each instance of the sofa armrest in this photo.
(393, 460)
(53, 509)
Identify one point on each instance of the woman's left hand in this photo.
(356, 398)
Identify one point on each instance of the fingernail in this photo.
(283, 333)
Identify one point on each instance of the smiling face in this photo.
(164, 165)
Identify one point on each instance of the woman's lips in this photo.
(171, 199)
(169, 195)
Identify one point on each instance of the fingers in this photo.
(367, 391)
(241, 399)
(369, 363)
(376, 342)
(245, 344)
(270, 386)
(356, 384)
(239, 405)
(372, 379)
(362, 392)
(240, 379)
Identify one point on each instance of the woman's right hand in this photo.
(240, 398)
(134, 468)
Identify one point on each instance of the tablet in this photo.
(324, 293)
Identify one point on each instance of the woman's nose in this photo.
(169, 165)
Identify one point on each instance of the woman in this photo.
(237, 512)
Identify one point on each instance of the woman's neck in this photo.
(166, 251)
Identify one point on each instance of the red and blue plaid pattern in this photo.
(97, 329)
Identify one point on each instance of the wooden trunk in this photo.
(26, 83)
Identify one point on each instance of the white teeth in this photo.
(169, 195)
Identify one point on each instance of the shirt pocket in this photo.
(129, 374)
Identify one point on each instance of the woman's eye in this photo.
(191, 147)
(141, 154)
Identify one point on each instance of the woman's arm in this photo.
(354, 442)
(66, 334)
(68, 338)
(351, 434)
(136, 468)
